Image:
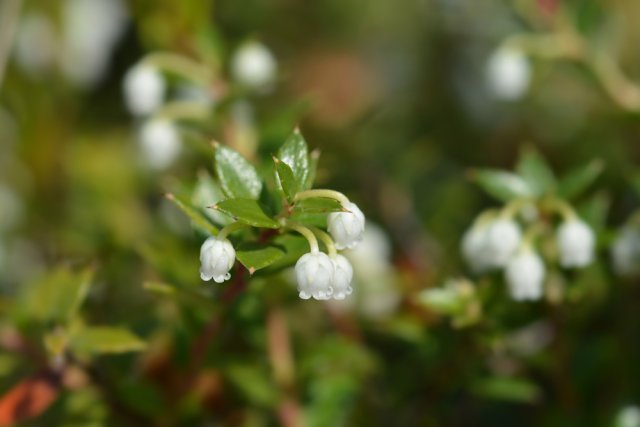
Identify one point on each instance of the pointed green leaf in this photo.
(197, 217)
(207, 193)
(535, 170)
(314, 158)
(580, 178)
(285, 179)
(105, 339)
(295, 153)
(246, 211)
(255, 256)
(318, 205)
(503, 185)
(237, 176)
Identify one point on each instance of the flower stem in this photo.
(321, 193)
(308, 234)
(327, 240)
(180, 65)
(224, 232)
(563, 208)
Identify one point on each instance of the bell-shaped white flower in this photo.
(503, 238)
(216, 259)
(159, 141)
(508, 73)
(474, 248)
(342, 277)
(524, 274)
(576, 243)
(346, 228)
(315, 275)
(144, 89)
(625, 251)
(253, 65)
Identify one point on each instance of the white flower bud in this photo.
(474, 248)
(144, 89)
(253, 65)
(508, 73)
(576, 243)
(525, 275)
(502, 240)
(315, 276)
(216, 259)
(160, 143)
(625, 252)
(346, 228)
(342, 277)
(629, 416)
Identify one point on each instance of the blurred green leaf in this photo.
(255, 383)
(579, 179)
(197, 217)
(535, 170)
(595, 210)
(295, 153)
(208, 192)
(502, 185)
(508, 389)
(286, 180)
(314, 158)
(105, 339)
(246, 211)
(255, 256)
(58, 297)
(237, 176)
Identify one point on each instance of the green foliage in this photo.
(237, 176)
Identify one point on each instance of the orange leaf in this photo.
(29, 398)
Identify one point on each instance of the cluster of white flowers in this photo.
(498, 243)
(319, 276)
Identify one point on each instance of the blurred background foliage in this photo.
(95, 261)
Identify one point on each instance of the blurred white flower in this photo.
(629, 416)
(91, 31)
(346, 228)
(503, 239)
(216, 259)
(315, 276)
(160, 143)
(474, 248)
(36, 43)
(342, 277)
(525, 275)
(576, 243)
(253, 65)
(144, 89)
(625, 251)
(508, 73)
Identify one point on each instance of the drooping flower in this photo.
(524, 275)
(508, 73)
(502, 240)
(144, 89)
(216, 259)
(346, 228)
(315, 275)
(160, 143)
(342, 277)
(253, 65)
(576, 243)
(474, 248)
(625, 251)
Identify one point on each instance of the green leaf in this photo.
(285, 179)
(197, 217)
(535, 170)
(508, 389)
(246, 211)
(58, 297)
(295, 154)
(105, 339)
(503, 185)
(314, 158)
(253, 381)
(237, 176)
(595, 210)
(208, 192)
(255, 256)
(580, 178)
(293, 245)
(317, 205)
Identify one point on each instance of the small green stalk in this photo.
(180, 65)
(224, 232)
(327, 240)
(321, 193)
(306, 233)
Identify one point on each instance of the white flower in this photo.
(346, 228)
(576, 243)
(216, 259)
(525, 275)
(502, 240)
(144, 89)
(474, 248)
(253, 65)
(508, 73)
(625, 252)
(160, 143)
(629, 416)
(342, 277)
(315, 276)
